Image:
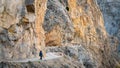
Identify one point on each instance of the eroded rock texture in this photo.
(20, 35)
(73, 21)
(58, 25)
(66, 22)
(111, 13)
(79, 22)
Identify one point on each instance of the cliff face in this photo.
(110, 10)
(79, 22)
(111, 13)
(73, 21)
(20, 35)
(26, 29)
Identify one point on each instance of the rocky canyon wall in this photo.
(32, 24)
(111, 13)
(21, 32)
(79, 22)
(73, 21)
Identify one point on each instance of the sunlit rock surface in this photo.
(79, 22)
(20, 35)
(75, 27)
(74, 21)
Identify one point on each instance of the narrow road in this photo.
(49, 56)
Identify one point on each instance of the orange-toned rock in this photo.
(80, 22)
(21, 33)
(87, 20)
(40, 8)
(54, 37)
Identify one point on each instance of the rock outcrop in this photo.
(89, 57)
(32, 24)
(57, 24)
(111, 13)
(56, 63)
(73, 21)
(79, 22)
(20, 35)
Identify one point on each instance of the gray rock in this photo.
(57, 15)
(79, 53)
(17, 30)
(111, 14)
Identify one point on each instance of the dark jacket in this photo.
(41, 54)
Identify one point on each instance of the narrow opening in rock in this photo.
(30, 8)
(67, 8)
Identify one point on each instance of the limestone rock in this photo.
(78, 21)
(85, 25)
(65, 22)
(57, 63)
(20, 35)
(78, 53)
(111, 14)
(57, 17)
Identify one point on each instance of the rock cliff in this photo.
(79, 22)
(32, 24)
(111, 13)
(21, 32)
(73, 21)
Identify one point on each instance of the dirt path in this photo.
(49, 56)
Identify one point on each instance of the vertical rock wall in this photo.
(79, 22)
(87, 20)
(20, 35)
(40, 8)
(111, 13)
(57, 24)
(73, 21)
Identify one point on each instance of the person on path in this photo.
(41, 55)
